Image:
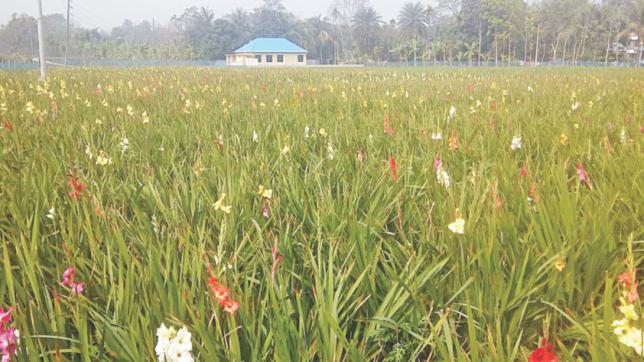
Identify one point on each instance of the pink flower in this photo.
(5, 316)
(69, 280)
(583, 176)
(8, 335)
(78, 288)
(438, 163)
(68, 276)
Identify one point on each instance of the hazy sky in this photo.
(106, 14)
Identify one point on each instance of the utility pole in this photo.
(67, 34)
(41, 43)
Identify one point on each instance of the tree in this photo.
(412, 22)
(366, 22)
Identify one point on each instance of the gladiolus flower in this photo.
(69, 280)
(277, 259)
(5, 315)
(458, 226)
(230, 306)
(6, 125)
(516, 143)
(583, 176)
(77, 187)
(543, 354)
(222, 295)
(387, 125)
(9, 336)
(392, 167)
(219, 204)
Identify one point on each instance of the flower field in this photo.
(326, 215)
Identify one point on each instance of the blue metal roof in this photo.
(270, 45)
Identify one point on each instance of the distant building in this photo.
(271, 52)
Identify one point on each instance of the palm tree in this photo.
(412, 22)
(365, 22)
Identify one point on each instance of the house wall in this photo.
(239, 59)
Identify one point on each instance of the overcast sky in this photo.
(106, 14)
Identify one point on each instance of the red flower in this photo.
(6, 125)
(77, 187)
(524, 170)
(230, 306)
(628, 279)
(543, 354)
(222, 295)
(392, 167)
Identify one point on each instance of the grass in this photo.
(370, 270)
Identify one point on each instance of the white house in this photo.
(270, 52)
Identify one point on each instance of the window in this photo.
(300, 58)
(280, 58)
(259, 58)
(269, 59)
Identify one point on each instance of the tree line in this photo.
(353, 31)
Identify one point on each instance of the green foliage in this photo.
(370, 269)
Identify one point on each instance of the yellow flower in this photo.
(560, 264)
(286, 149)
(458, 226)
(219, 205)
(265, 193)
(628, 310)
(563, 139)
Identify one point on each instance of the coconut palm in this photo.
(413, 22)
(365, 22)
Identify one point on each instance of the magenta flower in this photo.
(5, 316)
(583, 176)
(438, 163)
(69, 280)
(9, 336)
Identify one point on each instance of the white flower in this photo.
(530, 89)
(306, 132)
(51, 213)
(575, 106)
(330, 151)
(516, 143)
(322, 132)
(125, 144)
(458, 226)
(173, 346)
(452, 112)
(442, 177)
(183, 340)
(437, 136)
(255, 137)
(164, 335)
(623, 138)
(103, 159)
(88, 152)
